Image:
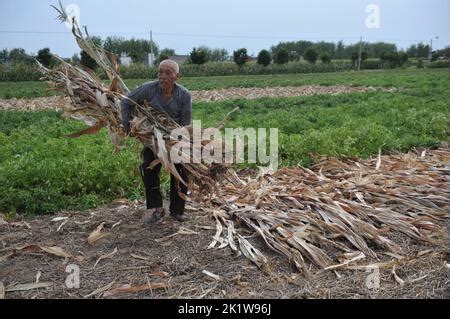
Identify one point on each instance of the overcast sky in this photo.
(231, 24)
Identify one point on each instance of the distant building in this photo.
(150, 59)
(180, 59)
(125, 59)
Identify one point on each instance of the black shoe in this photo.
(153, 215)
(180, 217)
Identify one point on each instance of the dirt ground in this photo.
(175, 255)
(58, 102)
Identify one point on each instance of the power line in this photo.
(178, 35)
(34, 32)
(214, 35)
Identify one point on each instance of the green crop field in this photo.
(411, 78)
(42, 171)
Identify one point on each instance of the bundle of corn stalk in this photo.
(341, 209)
(99, 106)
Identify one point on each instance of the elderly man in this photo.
(173, 99)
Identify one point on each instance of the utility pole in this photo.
(152, 55)
(437, 45)
(359, 55)
(431, 50)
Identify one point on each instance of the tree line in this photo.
(283, 52)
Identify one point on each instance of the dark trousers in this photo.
(150, 176)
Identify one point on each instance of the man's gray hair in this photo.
(172, 63)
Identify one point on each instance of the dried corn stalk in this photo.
(340, 207)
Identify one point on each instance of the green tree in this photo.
(217, 55)
(198, 56)
(240, 56)
(402, 58)
(45, 57)
(299, 47)
(19, 55)
(376, 49)
(325, 47)
(412, 51)
(4, 56)
(281, 56)
(311, 55)
(168, 52)
(390, 59)
(164, 55)
(434, 56)
(264, 57)
(325, 58)
(114, 44)
(214, 55)
(373, 49)
(423, 50)
(364, 56)
(354, 57)
(340, 50)
(137, 49)
(419, 50)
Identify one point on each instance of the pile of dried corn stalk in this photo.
(340, 210)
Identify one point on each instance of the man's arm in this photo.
(186, 109)
(138, 96)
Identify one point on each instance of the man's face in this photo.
(167, 75)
